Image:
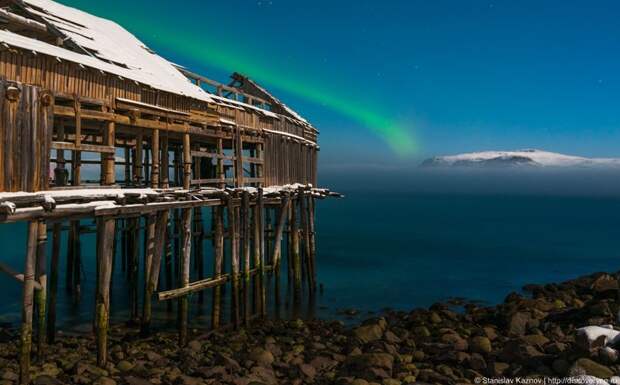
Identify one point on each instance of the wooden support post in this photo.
(157, 237)
(187, 162)
(134, 266)
(27, 305)
(186, 236)
(105, 247)
(311, 231)
(217, 264)
(277, 243)
(60, 173)
(77, 260)
(233, 234)
(198, 249)
(169, 262)
(259, 253)
(296, 255)
(138, 159)
(77, 155)
(164, 169)
(127, 166)
(41, 278)
(245, 216)
(238, 157)
(109, 140)
(70, 258)
(220, 163)
(51, 316)
(149, 250)
(155, 170)
(305, 226)
(76, 161)
(277, 247)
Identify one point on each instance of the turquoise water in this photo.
(402, 248)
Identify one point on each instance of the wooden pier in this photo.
(245, 249)
(100, 134)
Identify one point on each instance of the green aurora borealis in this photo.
(228, 54)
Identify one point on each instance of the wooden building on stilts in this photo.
(100, 134)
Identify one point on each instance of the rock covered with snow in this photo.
(518, 158)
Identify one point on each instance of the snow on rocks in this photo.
(592, 337)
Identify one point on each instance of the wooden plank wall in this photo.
(26, 123)
(289, 161)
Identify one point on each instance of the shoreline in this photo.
(533, 336)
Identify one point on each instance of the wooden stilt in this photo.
(305, 226)
(149, 250)
(261, 253)
(186, 236)
(156, 240)
(198, 248)
(124, 246)
(27, 305)
(245, 218)
(105, 238)
(168, 267)
(296, 256)
(277, 247)
(133, 266)
(70, 257)
(218, 264)
(256, 254)
(234, 239)
(51, 316)
(312, 241)
(77, 261)
(41, 278)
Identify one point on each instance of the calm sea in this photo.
(476, 236)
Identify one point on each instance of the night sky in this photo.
(391, 82)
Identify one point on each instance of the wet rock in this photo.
(480, 344)
(9, 375)
(457, 342)
(604, 283)
(137, 381)
(104, 381)
(46, 380)
(535, 339)
(373, 365)
(517, 324)
(195, 345)
(227, 361)
(368, 333)
(124, 366)
(608, 355)
(589, 367)
(261, 356)
(307, 370)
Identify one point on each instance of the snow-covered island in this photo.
(518, 158)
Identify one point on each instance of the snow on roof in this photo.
(114, 49)
(277, 101)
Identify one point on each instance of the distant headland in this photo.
(518, 158)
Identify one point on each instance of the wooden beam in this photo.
(83, 147)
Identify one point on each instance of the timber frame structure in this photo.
(100, 134)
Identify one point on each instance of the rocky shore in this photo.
(537, 336)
